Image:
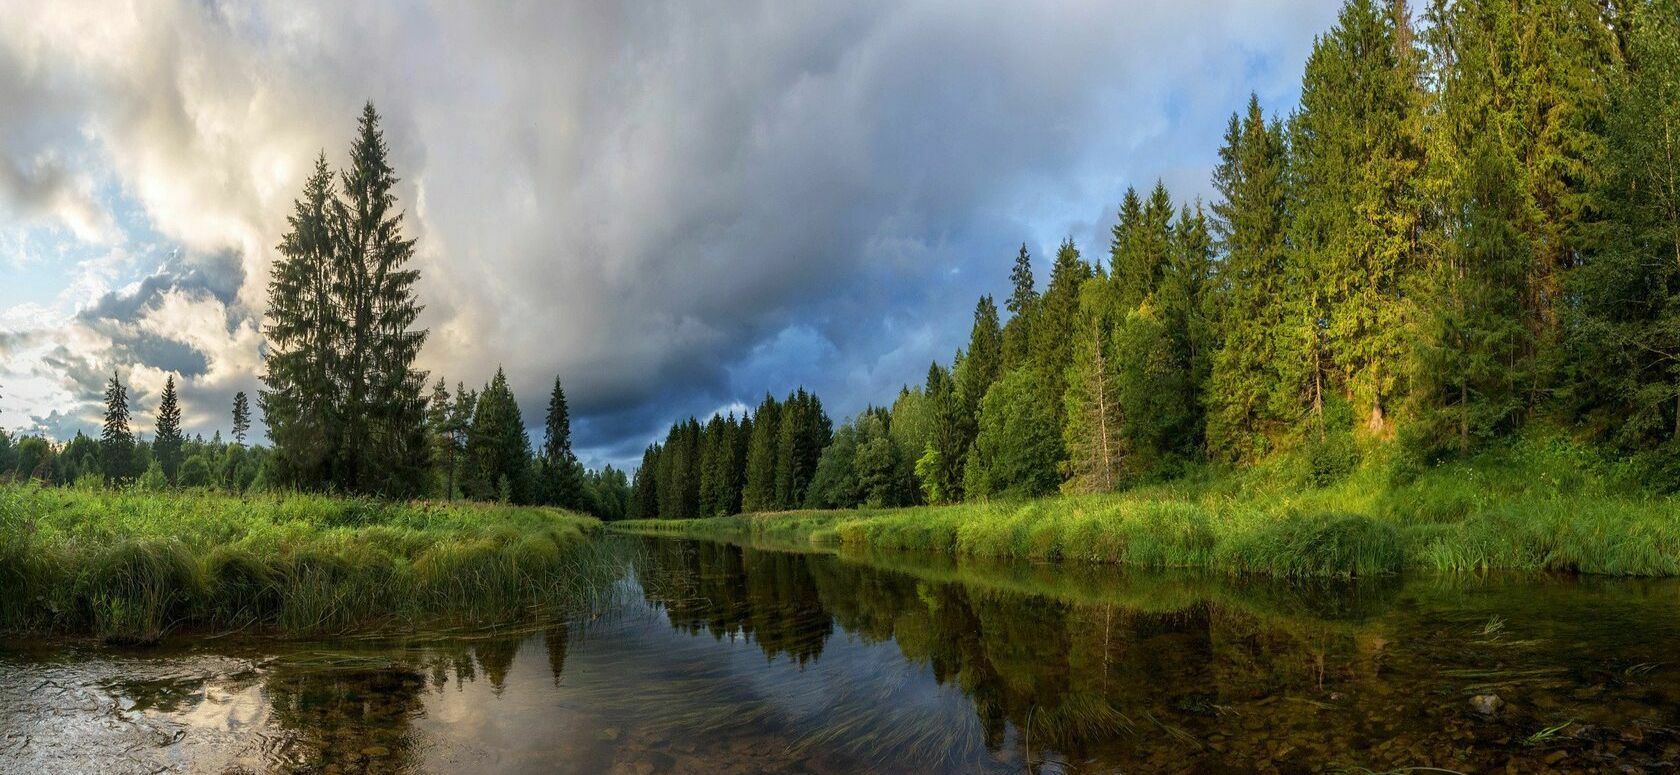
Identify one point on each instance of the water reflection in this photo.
(720, 658)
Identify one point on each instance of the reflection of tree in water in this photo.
(349, 717)
(724, 589)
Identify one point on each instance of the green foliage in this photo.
(498, 448)
(759, 493)
(1019, 447)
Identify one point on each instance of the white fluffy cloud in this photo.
(640, 197)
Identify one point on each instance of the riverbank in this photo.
(131, 566)
(1533, 505)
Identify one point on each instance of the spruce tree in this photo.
(499, 447)
(940, 464)
(438, 415)
(759, 491)
(241, 417)
(560, 482)
(1246, 397)
(1092, 434)
(1022, 303)
(383, 440)
(1055, 324)
(1357, 155)
(303, 330)
(116, 441)
(166, 443)
(984, 361)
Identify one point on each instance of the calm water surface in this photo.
(719, 659)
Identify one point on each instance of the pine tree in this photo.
(343, 402)
(1247, 403)
(1356, 161)
(805, 430)
(116, 442)
(166, 443)
(1185, 299)
(241, 417)
(438, 415)
(940, 464)
(644, 493)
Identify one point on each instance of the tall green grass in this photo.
(132, 566)
(1535, 504)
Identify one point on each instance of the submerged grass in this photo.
(1535, 504)
(132, 566)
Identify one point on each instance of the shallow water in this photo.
(716, 658)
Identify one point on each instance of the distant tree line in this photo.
(1470, 224)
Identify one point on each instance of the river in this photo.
(717, 658)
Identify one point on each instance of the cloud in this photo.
(672, 205)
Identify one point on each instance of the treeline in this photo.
(766, 461)
(1470, 224)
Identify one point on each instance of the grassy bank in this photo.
(133, 566)
(1536, 504)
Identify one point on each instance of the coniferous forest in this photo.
(1468, 227)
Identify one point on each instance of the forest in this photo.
(1467, 232)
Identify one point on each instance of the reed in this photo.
(133, 566)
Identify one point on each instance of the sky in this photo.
(673, 206)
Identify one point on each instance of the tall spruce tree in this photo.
(116, 441)
(1092, 434)
(1357, 156)
(383, 444)
(1248, 403)
(1022, 304)
(166, 442)
(1055, 324)
(303, 328)
(241, 417)
(759, 492)
(984, 361)
(561, 483)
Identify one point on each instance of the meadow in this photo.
(133, 566)
(1535, 504)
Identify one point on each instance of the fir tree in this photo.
(303, 329)
(166, 443)
(1055, 324)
